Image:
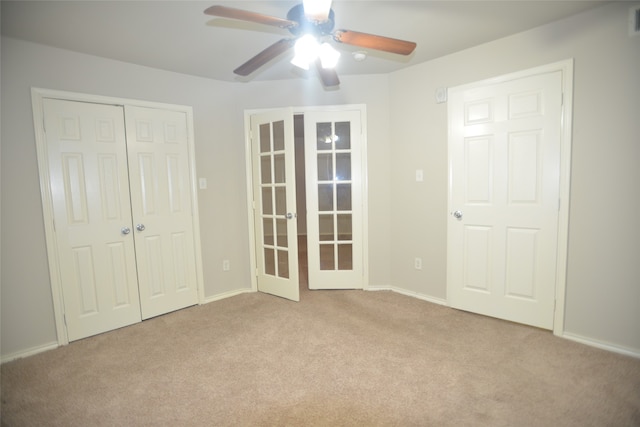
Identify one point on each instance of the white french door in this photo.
(121, 210)
(334, 188)
(504, 165)
(335, 199)
(274, 202)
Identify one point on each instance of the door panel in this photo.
(90, 194)
(504, 153)
(159, 171)
(275, 203)
(334, 199)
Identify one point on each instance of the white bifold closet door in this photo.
(119, 178)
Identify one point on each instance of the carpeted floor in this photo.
(336, 358)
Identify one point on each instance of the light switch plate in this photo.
(419, 175)
(202, 183)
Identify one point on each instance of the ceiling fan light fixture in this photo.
(317, 10)
(328, 56)
(306, 51)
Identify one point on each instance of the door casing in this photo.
(566, 69)
(37, 96)
(249, 170)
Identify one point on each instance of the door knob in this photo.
(125, 230)
(140, 227)
(291, 215)
(457, 215)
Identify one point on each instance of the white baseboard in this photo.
(409, 294)
(29, 352)
(225, 295)
(602, 345)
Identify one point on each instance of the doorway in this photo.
(327, 206)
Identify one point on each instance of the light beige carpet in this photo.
(336, 358)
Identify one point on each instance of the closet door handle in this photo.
(140, 227)
(125, 230)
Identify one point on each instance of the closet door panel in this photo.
(86, 153)
(159, 170)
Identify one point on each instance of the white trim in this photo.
(29, 352)
(362, 108)
(37, 97)
(250, 207)
(566, 68)
(632, 352)
(226, 295)
(411, 294)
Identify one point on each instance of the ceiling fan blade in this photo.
(244, 15)
(265, 56)
(328, 76)
(372, 41)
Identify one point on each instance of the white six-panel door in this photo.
(123, 212)
(92, 215)
(504, 154)
(157, 146)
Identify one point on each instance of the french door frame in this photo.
(365, 201)
(37, 97)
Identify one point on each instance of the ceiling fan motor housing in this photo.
(306, 26)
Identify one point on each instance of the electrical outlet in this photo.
(417, 263)
(226, 265)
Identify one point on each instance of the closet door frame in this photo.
(37, 97)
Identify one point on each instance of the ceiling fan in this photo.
(310, 23)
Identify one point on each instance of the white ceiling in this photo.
(178, 36)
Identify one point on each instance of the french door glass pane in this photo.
(325, 197)
(265, 169)
(345, 257)
(278, 168)
(325, 167)
(327, 257)
(283, 264)
(325, 223)
(344, 227)
(281, 200)
(267, 201)
(281, 228)
(343, 193)
(343, 135)
(269, 261)
(324, 136)
(265, 138)
(278, 136)
(267, 226)
(343, 166)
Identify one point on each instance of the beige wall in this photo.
(27, 310)
(603, 283)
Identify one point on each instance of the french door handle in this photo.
(140, 227)
(291, 215)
